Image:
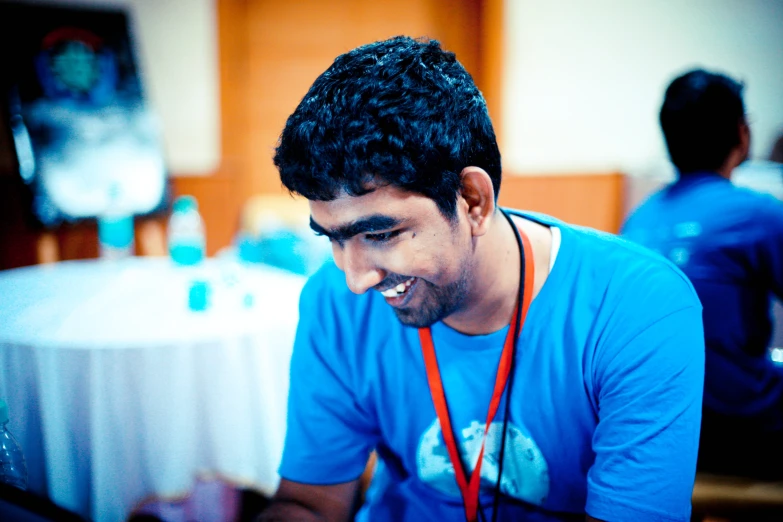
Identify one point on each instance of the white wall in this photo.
(584, 79)
(176, 42)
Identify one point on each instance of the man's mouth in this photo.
(399, 290)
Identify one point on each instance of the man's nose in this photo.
(361, 273)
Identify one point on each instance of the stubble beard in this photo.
(438, 302)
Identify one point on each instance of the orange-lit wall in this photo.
(592, 200)
(270, 52)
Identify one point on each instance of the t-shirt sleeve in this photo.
(649, 393)
(329, 433)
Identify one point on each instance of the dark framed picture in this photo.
(86, 140)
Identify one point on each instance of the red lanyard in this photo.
(470, 488)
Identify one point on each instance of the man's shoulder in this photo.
(751, 202)
(606, 248)
(605, 260)
(764, 206)
(629, 264)
(741, 207)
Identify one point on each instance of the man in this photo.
(729, 242)
(592, 412)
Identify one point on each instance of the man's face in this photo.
(398, 243)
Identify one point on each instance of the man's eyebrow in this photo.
(361, 226)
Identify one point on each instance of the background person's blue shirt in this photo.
(604, 413)
(729, 241)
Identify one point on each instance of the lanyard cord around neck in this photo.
(525, 253)
(469, 485)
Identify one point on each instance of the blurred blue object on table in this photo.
(198, 295)
(275, 231)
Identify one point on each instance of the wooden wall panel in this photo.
(219, 204)
(593, 200)
(491, 44)
(291, 43)
(271, 52)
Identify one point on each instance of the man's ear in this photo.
(744, 133)
(739, 153)
(478, 199)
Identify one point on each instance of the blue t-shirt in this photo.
(605, 406)
(729, 241)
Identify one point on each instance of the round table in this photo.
(118, 392)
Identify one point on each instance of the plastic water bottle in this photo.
(115, 236)
(187, 242)
(13, 470)
(187, 247)
(115, 227)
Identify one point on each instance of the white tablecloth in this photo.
(118, 392)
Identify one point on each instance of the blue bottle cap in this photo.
(183, 203)
(115, 231)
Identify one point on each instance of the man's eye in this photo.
(381, 237)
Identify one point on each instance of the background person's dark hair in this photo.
(777, 150)
(700, 119)
(399, 112)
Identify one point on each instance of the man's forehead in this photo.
(347, 208)
(339, 212)
(382, 209)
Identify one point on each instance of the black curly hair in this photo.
(401, 112)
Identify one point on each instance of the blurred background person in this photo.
(729, 241)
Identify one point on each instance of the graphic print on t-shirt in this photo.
(525, 471)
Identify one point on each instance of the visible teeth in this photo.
(399, 289)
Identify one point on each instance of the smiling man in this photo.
(504, 365)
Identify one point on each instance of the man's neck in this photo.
(737, 155)
(495, 282)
